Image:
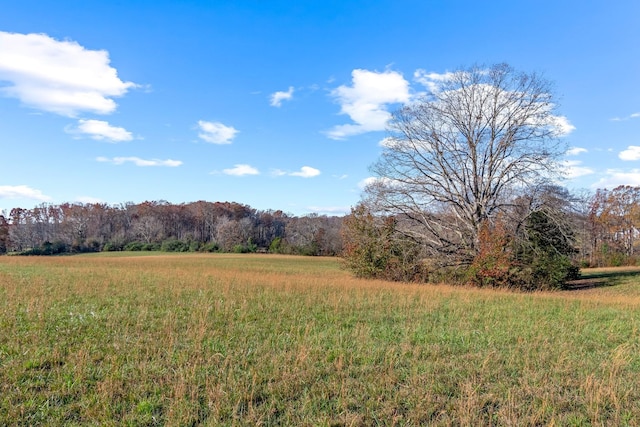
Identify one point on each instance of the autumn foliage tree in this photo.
(4, 234)
(614, 219)
(494, 262)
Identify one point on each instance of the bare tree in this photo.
(231, 233)
(461, 154)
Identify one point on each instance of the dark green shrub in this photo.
(240, 249)
(251, 247)
(48, 248)
(174, 245)
(134, 246)
(109, 247)
(312, 249)
(116, 244)
(210, 247)
(543, 258)
(92, 245)
(275, 247)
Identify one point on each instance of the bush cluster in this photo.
(538, 258)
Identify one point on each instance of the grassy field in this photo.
(148, 339)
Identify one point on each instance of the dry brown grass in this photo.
(263, 340)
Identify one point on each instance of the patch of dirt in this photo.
(588, 283)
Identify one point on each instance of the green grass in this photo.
(188, 339)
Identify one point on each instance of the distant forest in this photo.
(50, 229)
(604, 227)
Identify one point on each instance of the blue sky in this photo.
(282, 104)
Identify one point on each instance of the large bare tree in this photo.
(459, 155)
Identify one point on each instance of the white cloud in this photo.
(329, 210)
(574, 169)
(615, 177)
(22, 192)
(241, 170)
(560, 126)
(306, 172)
(631, 153)
(278, 172)
(574, 151)
(630, 116)
(383, 181)
(216, 132)
(58, 76)
(432, 81)
(278, 97)
(386, 142)
(101, 130)
(367, 181)
(366, 101)
(436, 82)
(140, 162)
(563, 125)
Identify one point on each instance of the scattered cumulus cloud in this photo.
(241, 170)
(22, 192)
(631, 153)
(436, 82)
(306, 172)
(101, 130)
(563, 126)
(366, 182)
(61, 77)
(278, 97)
(574, 151)
(616, 177)
(432, 81)
(559, 125)
(386, 142)
(366, 101)
(630, 116)
(574, 169)
(216, 132)
(140, 162)
(372, 180)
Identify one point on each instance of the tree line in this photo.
(601, 228)
(159, 225)
(586, 230)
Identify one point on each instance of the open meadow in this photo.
(194, 339)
